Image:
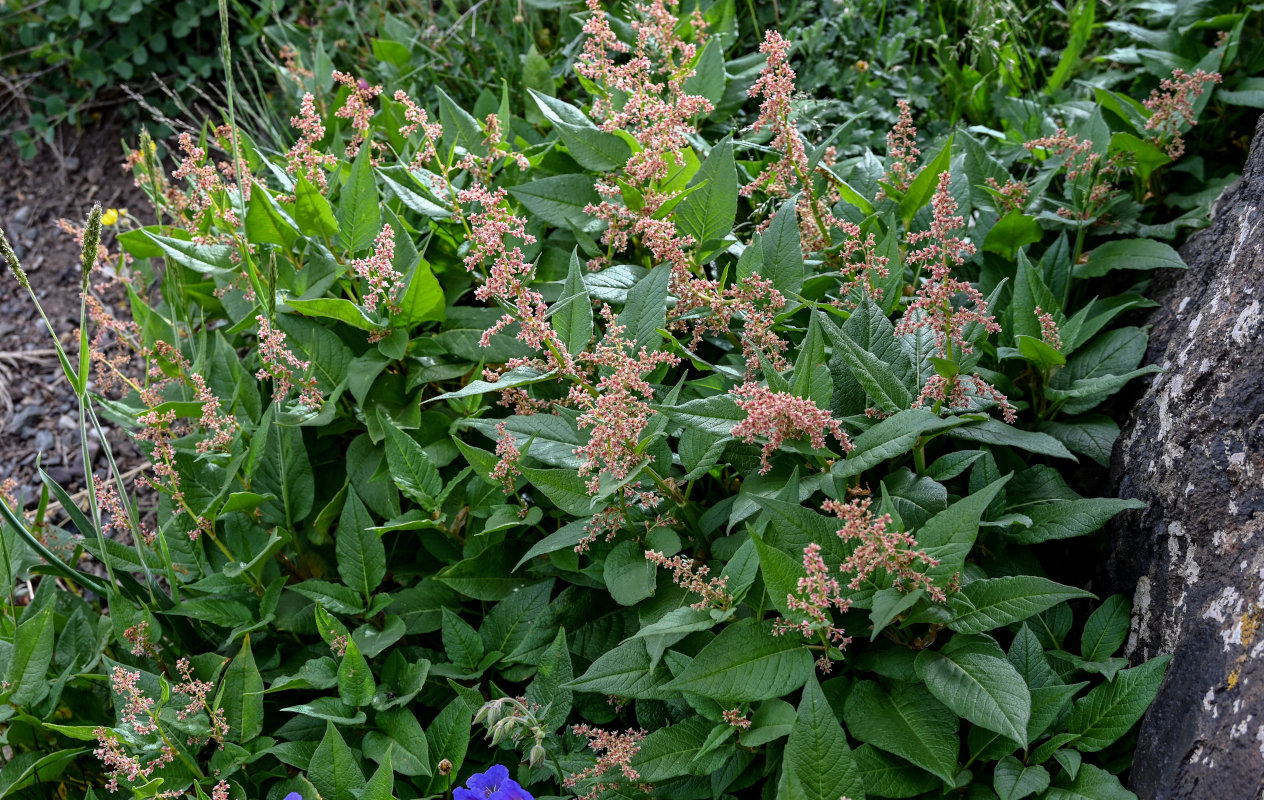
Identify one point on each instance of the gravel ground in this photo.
(38, 410)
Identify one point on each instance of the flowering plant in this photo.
(685, 459)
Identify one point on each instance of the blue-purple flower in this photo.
(494, 784)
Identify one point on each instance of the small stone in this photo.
(43, 441)
(67, 423)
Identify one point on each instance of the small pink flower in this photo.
(778, 416)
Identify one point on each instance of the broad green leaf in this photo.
(336, 308)
(1138, 254)
(519, 376)
(460, 129)
(715, 415)
(887, 775)
(1106, 629)
(32, 654)
(782, 251)
(1092, 435)
(400, 742)
(422, 300)
(908, 722)
(382, 785)
(646, 309)
(1014, 231)
(993, 431)
(817, 751)
(1091, 783)
(559, 200)
(973, 678)
(333, 769)
(876, 376)
(1081, 29)
(592, 147)
(892, 437)
(949, 535)
(312, 212)
(1014, 781)
(548, 688)
(629, 576)
(564, 487)
(1110, 710)
(355, 680)
(411, 469)
(707, 214)
(448, 738)
(984, 605)
(359, 213)
(265, 222)
(624, 671)
(461, 642)
(670, 751)
(1064, 519)
(572, 315)
(487, 576)
(208, 259)
(746, 662)
(36, 766)
(241, 696)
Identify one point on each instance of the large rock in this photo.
(1193, 450)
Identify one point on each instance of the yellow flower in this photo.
(110, 217)
(862, 66)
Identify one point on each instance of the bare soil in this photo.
(38, 410)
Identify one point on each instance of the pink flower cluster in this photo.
(902, 152)
(692, 576)
(817, 592)
(778, 416)
(417, 119)
(356, 109)
(305, 158)
(1049, 329)
(279, 364)
(221, 427)
(737, 718)
(1172, 104)
(378, 271)
(933, 308)
(754, 301)
(1080, 158)
(878, 548)
(618, 409)
(205, 182)
(197, 691)
(615, 752)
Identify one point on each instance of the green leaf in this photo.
(519, 376)
(1071, 59)
(624, 671)
(355, 680)
(892, 437)
(1106, 629)
(708, 213)
(646, 309)
(312, 212)
(973, 678)
(422, 301)
(548, 688)
(993, 431)
(362, 560)
(460, 129)
(208, 259)
(1039, 352)
(333, 769)
(359, 213)
(592, 147)
(1012, 232)
(572, 314)
(564, 487)
(1064, 519)
(924, 185)
(715, 415)
(1092, 435)
(1146, 156)
(949, 535)
(1139, 254)
(746, 662)
(1091, 783)
(909, 722)
(886, 775)
(461, 642)
(411, 469)
(817, 754)
(487, 576)
(27, 768)
(1111, 709)
(265, 223)
(875, 375)
(449, 737)
(984, 605)
(337, 308)
(629, 576)
(382, 784)
(1014, 781)
(782, 251)
(559, 200)
(32, 654)
(399, 742)
(241, 696)
(669, 751)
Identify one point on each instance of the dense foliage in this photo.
(616, 440)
